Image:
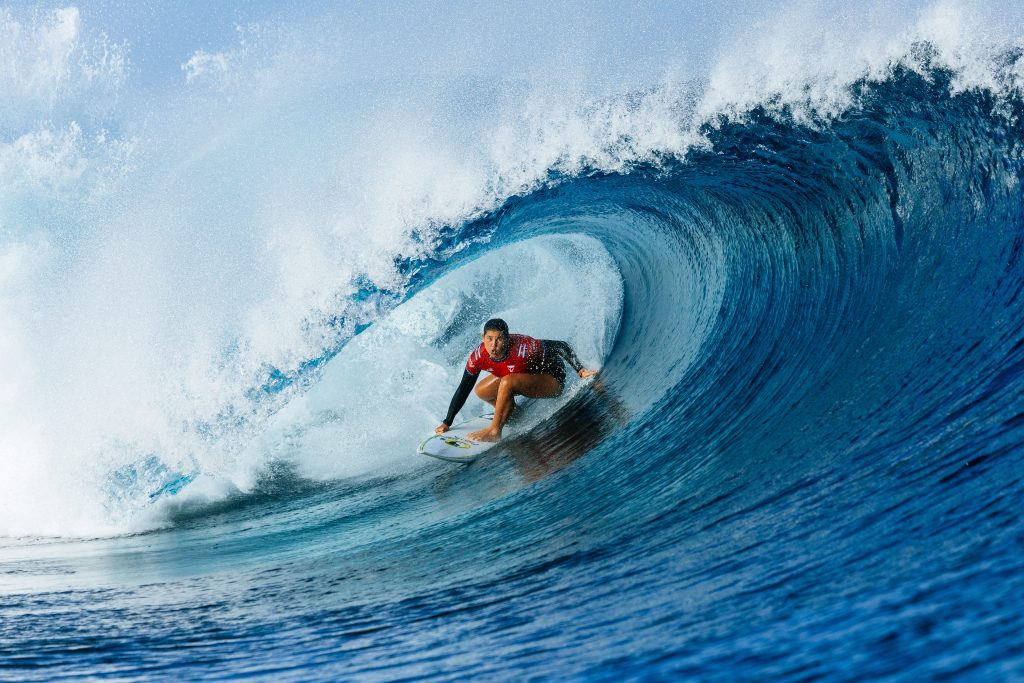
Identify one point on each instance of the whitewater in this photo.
(257, 244)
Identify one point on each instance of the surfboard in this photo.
(453, 445)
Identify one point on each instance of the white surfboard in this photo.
(453, 444)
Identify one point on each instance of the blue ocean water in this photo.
(802, 458)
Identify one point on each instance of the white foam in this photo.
(52, 66)
(807, 55)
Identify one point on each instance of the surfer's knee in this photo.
(487, 389)
(507, 384)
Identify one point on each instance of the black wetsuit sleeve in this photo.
(461, 394)
(565, 351)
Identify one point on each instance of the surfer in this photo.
(519, 366)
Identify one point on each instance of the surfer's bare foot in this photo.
(489, 434)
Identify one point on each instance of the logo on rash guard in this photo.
(511, 368)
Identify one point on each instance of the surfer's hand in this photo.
(584, 373)
(441, 428)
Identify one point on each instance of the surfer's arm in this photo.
(461, 394)
(565, 351)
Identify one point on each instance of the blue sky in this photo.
(398, 39)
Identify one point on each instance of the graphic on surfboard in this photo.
(453, 445)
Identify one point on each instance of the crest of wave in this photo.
(807, 56)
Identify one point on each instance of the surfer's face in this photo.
(496, 344)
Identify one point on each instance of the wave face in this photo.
(802, 457)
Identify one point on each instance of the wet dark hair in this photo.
(496, 324)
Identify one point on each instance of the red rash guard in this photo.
(525, 354)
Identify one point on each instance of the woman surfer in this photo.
(519, 366)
